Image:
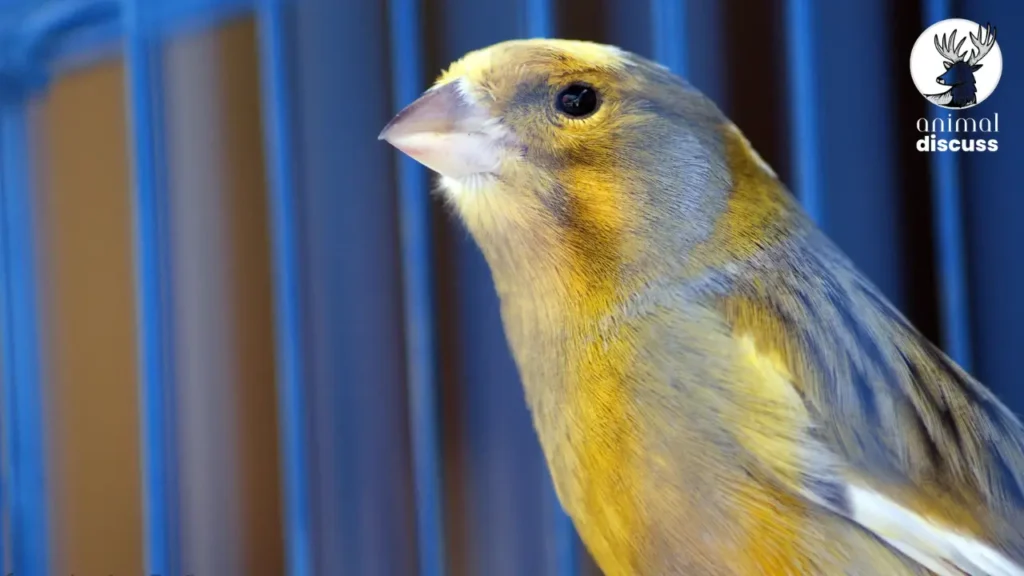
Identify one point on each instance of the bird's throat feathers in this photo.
(580, 242)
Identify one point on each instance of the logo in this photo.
(950, 74)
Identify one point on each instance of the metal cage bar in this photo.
(668, 33)
(539, 18)
(287, 287)
(162, 536)
(420, 324)
(949, 232)
(24, 486)
(804, 106)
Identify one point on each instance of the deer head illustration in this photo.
(960, 69)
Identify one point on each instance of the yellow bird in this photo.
(717, 390)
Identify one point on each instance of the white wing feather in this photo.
(935, 547)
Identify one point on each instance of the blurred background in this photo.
(239, 338)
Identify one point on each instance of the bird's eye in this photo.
(578, 100)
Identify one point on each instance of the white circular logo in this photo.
(956, 63)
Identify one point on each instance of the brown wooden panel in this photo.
(82, 180)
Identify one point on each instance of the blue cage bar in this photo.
(23, 489)
(154, 294)
(804, 105)
(287, 289)
(949, 231)
(408, 80)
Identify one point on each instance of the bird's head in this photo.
(576, 166)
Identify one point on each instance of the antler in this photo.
(946, 50)
(982, 48)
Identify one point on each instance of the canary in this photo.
(716, 389)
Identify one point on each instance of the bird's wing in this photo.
(898, 438)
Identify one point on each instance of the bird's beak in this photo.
(446, 132)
